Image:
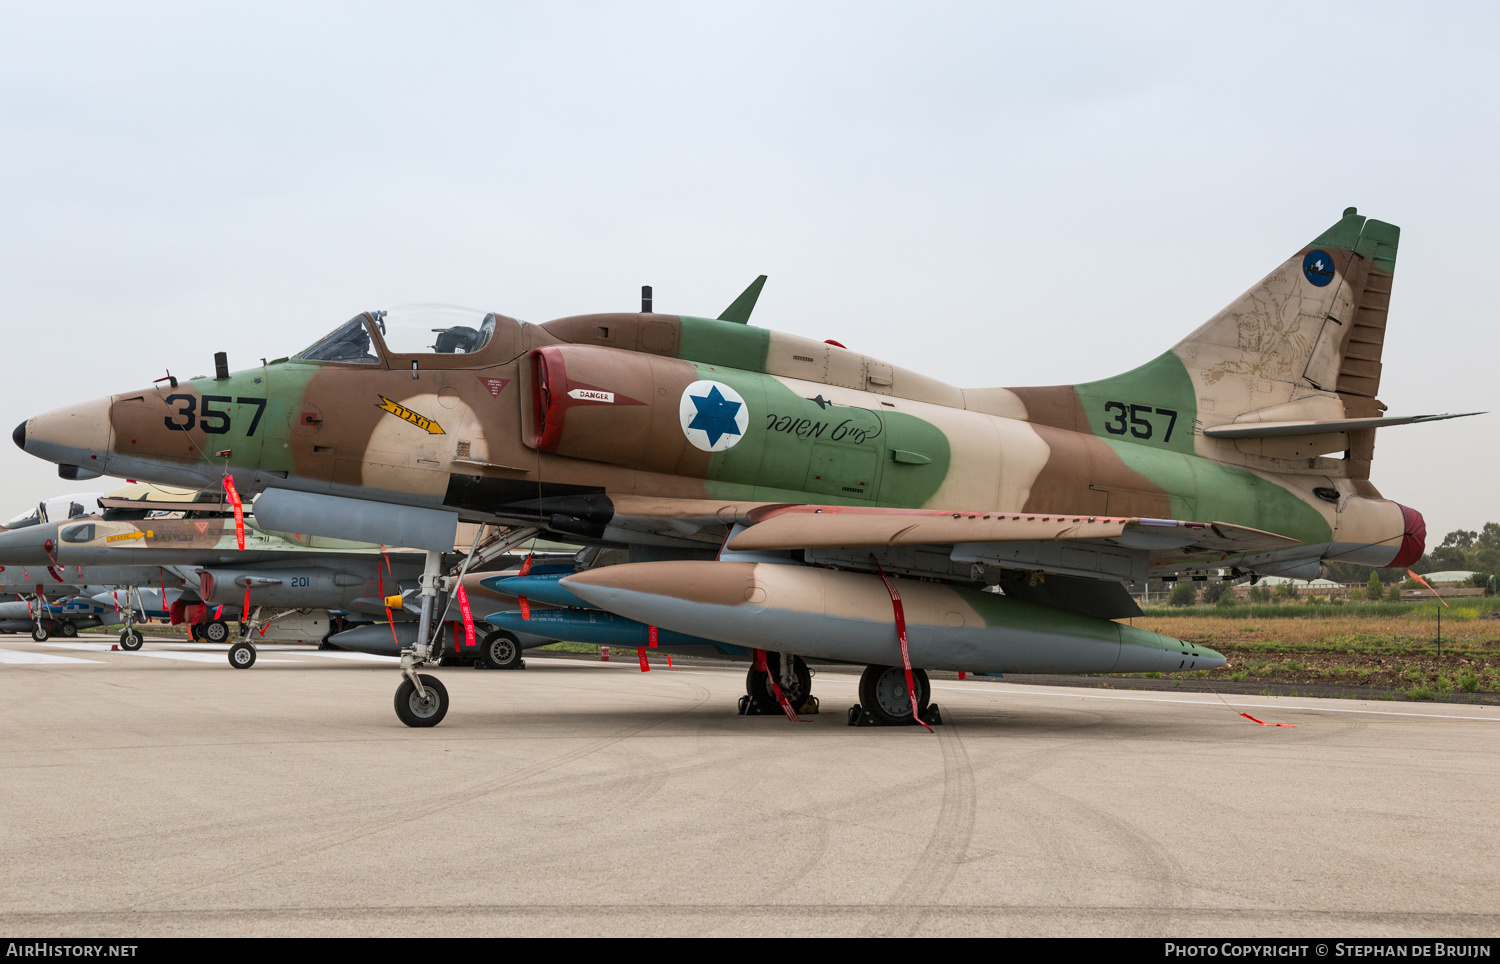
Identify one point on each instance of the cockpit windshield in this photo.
(32, 518)
(435, 329)
(348, 343)
(406, 330)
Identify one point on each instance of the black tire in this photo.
(131, 640)
(413, 710)
(216, 631)
(500, 650)
(40, 634)
(801, 689)
(882, 693)
(67, 629)
(242, 655)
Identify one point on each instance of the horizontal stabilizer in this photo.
(1322, 426)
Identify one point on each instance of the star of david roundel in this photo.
(714, 416)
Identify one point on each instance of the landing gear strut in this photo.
(885, 701)
(422, 700)
(796, 686)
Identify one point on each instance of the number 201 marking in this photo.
(1127, 418)
(213, 421)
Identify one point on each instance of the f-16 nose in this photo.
(19, 436)
(1413, 539)
(31, 546)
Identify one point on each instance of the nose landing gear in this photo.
(425, 707)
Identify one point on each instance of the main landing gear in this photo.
(796, 686)
(242, 655)
(500, 650)
(885, 701)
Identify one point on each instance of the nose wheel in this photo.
(242, 655)
(425, 707)
(131, 640)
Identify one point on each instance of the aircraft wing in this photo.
(1167, 541)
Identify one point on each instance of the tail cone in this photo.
(1413, 539)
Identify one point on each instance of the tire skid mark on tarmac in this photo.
(698, 696)
(655, 916)
(922, 889)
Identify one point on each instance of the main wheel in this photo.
(131, 640)
(40, 634)
(500, 650)
(216, 631)
(242, 655)
(801, 686)
(882, 691)
(413, 710)
(68, 629)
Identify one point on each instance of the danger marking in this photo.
(592, 395)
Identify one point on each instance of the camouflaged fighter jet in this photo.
(772, 490)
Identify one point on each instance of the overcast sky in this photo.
(995, 194)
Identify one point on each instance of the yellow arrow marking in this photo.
(402, 412)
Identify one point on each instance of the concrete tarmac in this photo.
(170, 794)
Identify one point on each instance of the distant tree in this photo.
(1373, 588)
(1183, 594)
(1227, 597)
(1260, 593)
(1214, 591)
(1395, 594)
(1286, 591)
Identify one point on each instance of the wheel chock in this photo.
(859, 716)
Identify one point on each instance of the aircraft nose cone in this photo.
(77, 435)
(1413, 539)
(31, 546)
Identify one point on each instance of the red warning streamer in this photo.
(525, 607)
(911, 689)
(1429, 586)
(239, 511)
(391, 620)
(463, 607)
(786, 704)
(651, 636)
(1263, 722)
(640, 652)
(526, 566)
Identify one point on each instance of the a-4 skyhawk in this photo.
(794, 497)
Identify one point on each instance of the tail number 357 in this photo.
(1129, 418)
(214, 421)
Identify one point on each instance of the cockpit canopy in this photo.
(404, 330)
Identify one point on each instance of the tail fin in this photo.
(1314, 325)
(1303, 344)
